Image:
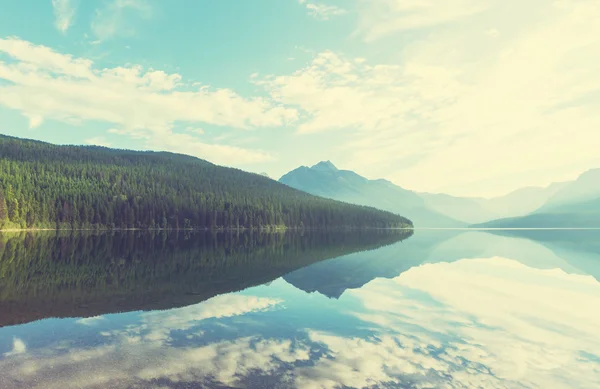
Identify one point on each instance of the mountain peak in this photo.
(325, 165)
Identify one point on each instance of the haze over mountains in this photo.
(575, 205)
(565, 204)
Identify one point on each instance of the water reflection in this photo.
(439, 310)
(81, 275)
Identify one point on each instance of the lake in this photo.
(383, 309)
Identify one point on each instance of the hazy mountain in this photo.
(325, 180)
(479, 210)
(585, 189)
(560, 205)
(466, 209)
(575, 204)
(578, 215)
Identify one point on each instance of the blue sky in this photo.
(459, 96)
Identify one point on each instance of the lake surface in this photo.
(439, 309)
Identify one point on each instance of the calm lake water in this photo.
(439, 309)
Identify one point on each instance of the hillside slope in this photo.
(45, 185)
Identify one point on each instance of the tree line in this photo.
(72, 187)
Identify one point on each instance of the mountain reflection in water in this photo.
(442, 309)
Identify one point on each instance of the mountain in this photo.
(49, 186)
(479, 210)
(326, 180)
(585, 215)
(574, 204)
(585, 189)
(465, 209)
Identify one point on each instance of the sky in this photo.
(466, 97)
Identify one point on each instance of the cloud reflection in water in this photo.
(490, 322)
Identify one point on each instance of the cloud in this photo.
(143, 104)
(64, 12)
(97, 141)
(477, 104)
(18, 348)
(322, 11)
(114, 18)
(195, 130)
(35, 121)
(336, 93)
(378, 18)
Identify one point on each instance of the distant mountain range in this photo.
(478, 210)
(564, 204)
(325, 180)
(575, 204)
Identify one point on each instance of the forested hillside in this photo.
(48, 186)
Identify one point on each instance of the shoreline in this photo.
(273, 229)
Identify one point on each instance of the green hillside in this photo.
(49, 186)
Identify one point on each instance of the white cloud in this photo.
(322, 11)
(18, 348)
(35, 121)
(460, 110)
(492, 32)
(378, 18)
(97, 141)
(195, 130)
(339, 93)
(144, 104)
(114, 18)
(64, 12)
